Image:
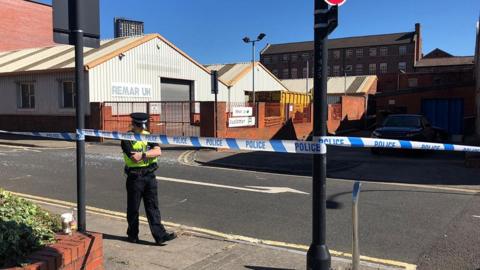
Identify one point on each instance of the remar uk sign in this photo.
(131, 90)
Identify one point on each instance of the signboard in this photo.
(242, 111)
(241, 122)
(335, 2)
(64, 15)
(131, 90)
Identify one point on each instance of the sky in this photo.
(211, 31)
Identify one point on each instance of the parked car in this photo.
(408, 127)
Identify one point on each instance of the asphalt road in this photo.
(429, 226)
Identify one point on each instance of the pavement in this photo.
(190, 251)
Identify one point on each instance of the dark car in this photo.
(407, 127)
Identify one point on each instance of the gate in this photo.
(166, 118)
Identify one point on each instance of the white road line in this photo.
(259, 189)
(476, 216)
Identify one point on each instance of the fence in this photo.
(167, 118)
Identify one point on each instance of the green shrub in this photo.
(24, 228)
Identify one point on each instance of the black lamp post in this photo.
(248, 40)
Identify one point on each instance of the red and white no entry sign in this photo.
(336, 2)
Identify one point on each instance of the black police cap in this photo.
(140, 118)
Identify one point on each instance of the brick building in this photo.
(363, 55)
(25, 24)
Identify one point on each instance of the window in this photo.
(267, 60)
(285, 73)
(349, 53)
(372, 51)
(359, 69)
(336, 70)
(294, 57)
(383, 68)
(348, 69)
(285, 58)
(294, 73)
(372, 69)
(305, 56)
(336, 54)
(383, 51)
(68, 95)
(275, 59)
(359, 53)
(328, 71)
(402, 66)
(402, 50)
(305, 73)
(275, 72)
(412, 82)
(26, 96)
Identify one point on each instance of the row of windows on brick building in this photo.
(337, 70)
(336, 54)
(26, 95)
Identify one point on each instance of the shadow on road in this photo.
(125, 239)
(265, 268)
(410, 167)
(332, 200)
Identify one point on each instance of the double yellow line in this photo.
(231, 237)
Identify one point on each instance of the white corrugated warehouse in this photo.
(238, 77)
(143, 68)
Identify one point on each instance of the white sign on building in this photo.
(131, 90)
(241, 121)
(242, 111)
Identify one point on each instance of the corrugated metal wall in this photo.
(263, 82)
(147, 64)
(47, 94)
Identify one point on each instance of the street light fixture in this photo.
(248, 40)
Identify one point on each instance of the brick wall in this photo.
(50, 123)
(25, 24)
(78, 251)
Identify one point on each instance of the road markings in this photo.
(230, 237)
(476, 216)
(259, 189)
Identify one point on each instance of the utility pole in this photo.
(318, 256)
(80, 114)
(77, 22)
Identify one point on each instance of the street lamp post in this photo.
(326, 20)
(248, 40)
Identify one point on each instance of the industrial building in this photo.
(123, 75)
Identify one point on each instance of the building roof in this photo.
(437, 53)
(336, 85)
(445, 61)
(234, 72)
(62, 57)
(339, 43)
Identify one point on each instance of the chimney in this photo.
(418, 42)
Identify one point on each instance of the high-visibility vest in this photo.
(139, 146)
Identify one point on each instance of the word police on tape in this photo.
(316, 146)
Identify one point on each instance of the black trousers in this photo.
(143, 186)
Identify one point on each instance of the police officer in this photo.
(140, 164)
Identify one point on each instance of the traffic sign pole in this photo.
(80, 116)
(318, 255)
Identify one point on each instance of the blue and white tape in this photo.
(281, 146)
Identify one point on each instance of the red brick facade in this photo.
(75, 252)
(25, 24)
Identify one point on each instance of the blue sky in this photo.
(211, 31)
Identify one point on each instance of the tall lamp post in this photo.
(326, 20)
(248, 40)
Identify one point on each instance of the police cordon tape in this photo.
(317, 146)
